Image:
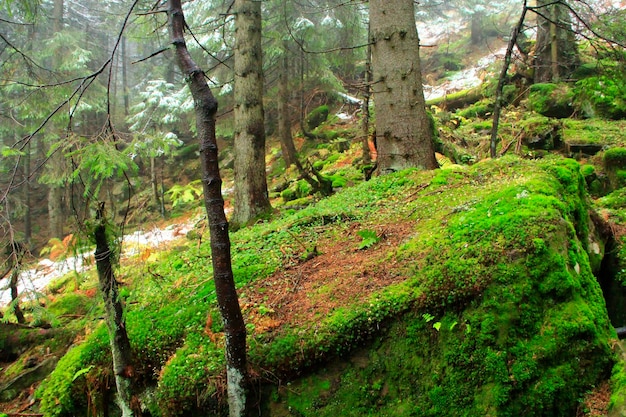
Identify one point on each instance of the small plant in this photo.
(369, 238)
(183, 194)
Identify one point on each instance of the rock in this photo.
(27, 378)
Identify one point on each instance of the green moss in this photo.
(615, 158)
(551, 100)
(67, 390)
(71, 303)
(317, 117)
(479, 109)
(493, 252)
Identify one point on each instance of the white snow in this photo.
(467, 78)
(32, 282)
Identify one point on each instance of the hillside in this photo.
(469, 293)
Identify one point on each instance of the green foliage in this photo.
(181, 195)
(369, 238)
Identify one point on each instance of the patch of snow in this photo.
(465, 79)
(32, 282)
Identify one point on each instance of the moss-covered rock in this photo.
(551, 100)
(317, 117)
(491, 309)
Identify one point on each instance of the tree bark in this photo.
(404, 136)
(365, 122)
(120, 345)
(284, 125)
(251, 196)
(556, 54)
(55, 191)
(228, 302)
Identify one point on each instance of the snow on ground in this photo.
(33, 281)
(467, 78)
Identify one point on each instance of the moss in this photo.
(551, 100)
(480, 109)
(317, 117)
(67, 390)
(495, 256)
(615, 158)
(542, 133)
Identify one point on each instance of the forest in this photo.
(312, 208)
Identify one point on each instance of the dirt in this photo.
(339, 275)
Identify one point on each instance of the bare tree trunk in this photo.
(284, 126)
(154, 182)
(404, 135)
(228, 302)
(501, 81)
(120, 345)
(251, 196)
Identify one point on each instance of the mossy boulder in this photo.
(542, 133)
(485, 305)
(614, 160)
(551, 100)
(317, 117)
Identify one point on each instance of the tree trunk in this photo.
(55, 163)
(404, 135)
(154, 181)
(500, 87)
(120, 345)
(477, 27)
(205, 109)
(284, 125)
(251, 196)
(365, 122)
(556, 54)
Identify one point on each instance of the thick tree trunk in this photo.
(228, 302)
(284, 125)
(404, 135)
(120, 345)
(556, 54)
(251, 196)
(365, 122)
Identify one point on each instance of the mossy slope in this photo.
(497, 311)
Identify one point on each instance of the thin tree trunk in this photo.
(124, 77)
(55, 191)
(251, 196)
(15, 302)
(28, 229)
(154, 182)
(502, 79)
(554, 44)
(228, 302)
(120, 345)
